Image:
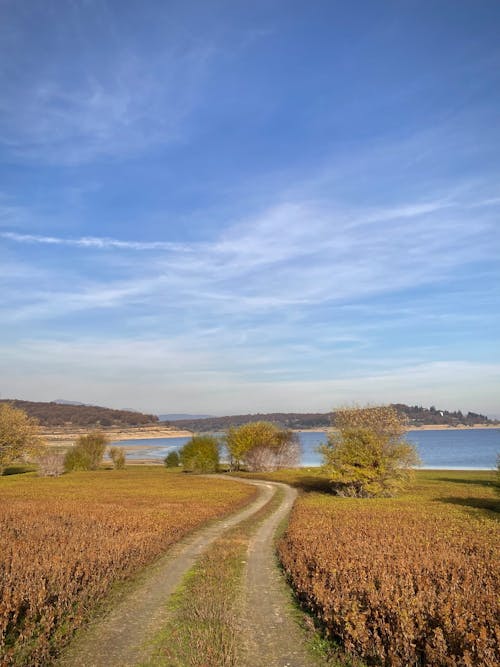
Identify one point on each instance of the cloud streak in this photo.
(95, 242)
(294, 254)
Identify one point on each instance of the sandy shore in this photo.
(446, 427)
(65, 437)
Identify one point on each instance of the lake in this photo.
(470, 449)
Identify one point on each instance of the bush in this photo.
(117, 455)
(260, 446)
(50, 462)
(88, 452)
(76, 459)
(368, 455)
(172, 459)
(200, 454)
(19, 437)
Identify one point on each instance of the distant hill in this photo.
(181, 415)
(415, 415)
(71, 414)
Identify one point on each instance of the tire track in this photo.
(273, 637)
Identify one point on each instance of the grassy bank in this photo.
(64, 542)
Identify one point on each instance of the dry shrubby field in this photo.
(407, 581)
(64, 542)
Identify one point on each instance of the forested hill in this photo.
(57, 414)
(416, 416)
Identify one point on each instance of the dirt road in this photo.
(273, 636)
(123, 637)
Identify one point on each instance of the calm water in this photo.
(467, 448)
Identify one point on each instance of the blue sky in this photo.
(230, 207)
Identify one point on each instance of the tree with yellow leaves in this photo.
(368, 455)
(19, 436)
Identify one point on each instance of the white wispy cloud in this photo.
(95, 242)
(291, 254)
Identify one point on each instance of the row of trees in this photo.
(257, 446)
(415, 415)
(366, 456)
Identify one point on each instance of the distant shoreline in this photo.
(61, 436)
(424, 427)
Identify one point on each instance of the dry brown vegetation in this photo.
(64, 542)
(412, 581)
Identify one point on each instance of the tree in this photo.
(88, 452)
(262, 446)
(368, 455)
(19, 435)
(172, 460)
(117, 455)
(200, 454)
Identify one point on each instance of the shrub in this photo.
(117, 455)
(172, 460)
(88, 452)
(19, 437)
(368, 455)
(76, 459)
(200, 454)
(260, 446)
(50, 462)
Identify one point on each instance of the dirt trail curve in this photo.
(273, 637)
(122, 638)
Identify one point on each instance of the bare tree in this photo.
(50, 462)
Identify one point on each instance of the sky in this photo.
(229, 207)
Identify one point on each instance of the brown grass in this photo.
(64, 542)
(407, 581)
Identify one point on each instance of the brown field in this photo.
(64, 542)
(407, 581)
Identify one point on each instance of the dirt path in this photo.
(273, 637)
(120, 639)
(123, 637)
